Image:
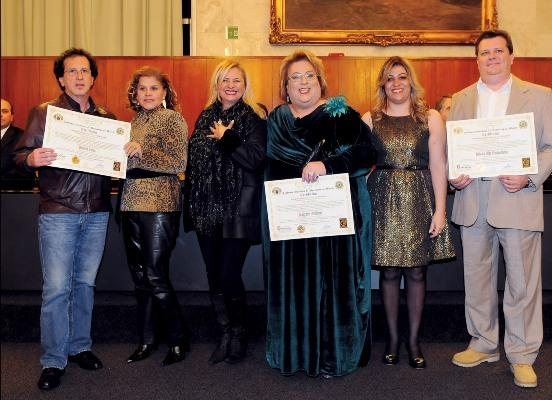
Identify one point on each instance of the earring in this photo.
(164, 103)
(287, 99)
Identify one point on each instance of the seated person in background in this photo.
(443, 106)
(10, 177)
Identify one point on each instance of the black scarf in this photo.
(213, 180)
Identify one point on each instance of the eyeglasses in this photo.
(297, 77)
(74, 72)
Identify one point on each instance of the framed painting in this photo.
(380, 22)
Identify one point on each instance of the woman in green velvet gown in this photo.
(318, 289)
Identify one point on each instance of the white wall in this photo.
(528, 21)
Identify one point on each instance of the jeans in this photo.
(71, 249)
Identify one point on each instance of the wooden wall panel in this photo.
(27, 81)
(261, 79)
(46, 83)
(452, 76)
(425, 71)
(543, 72)
(354, 82)
(275, 77)
(20, 83)
(119, 71)
(191, 82)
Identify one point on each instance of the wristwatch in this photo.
(530, 184)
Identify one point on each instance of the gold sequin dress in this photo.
(402, 196)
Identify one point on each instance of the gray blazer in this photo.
(523, 209)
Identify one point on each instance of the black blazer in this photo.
(11, 178)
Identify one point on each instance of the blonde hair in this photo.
(220, 73)
(300, 55)
(418, 106)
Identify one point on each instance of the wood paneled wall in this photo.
(27, 81)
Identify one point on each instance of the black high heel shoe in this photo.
(175, 354)
(390, 357)
(142, 352)
(416, 361)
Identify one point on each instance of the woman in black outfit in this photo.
(222, 195)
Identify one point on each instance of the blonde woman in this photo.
(223, 197)
(408, 190)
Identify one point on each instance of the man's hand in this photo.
(461, 182)
(41, 157)
(513, 183)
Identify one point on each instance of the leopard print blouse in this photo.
(163, 135)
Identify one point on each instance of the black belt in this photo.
(138, 173)
(410, 168)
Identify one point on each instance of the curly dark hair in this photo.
(59, 63)
(171, 98)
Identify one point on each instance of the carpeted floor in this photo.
(253, 379)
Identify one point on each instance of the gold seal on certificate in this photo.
(487, 147)
(298, 210)
(86, 142)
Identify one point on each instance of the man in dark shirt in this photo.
(72, 225)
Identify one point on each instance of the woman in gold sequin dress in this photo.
(408, 190)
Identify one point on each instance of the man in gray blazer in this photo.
(505, 210)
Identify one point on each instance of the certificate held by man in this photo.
(298, 210)
(487, 147)
(86, 142)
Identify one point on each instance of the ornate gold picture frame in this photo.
(380, 22)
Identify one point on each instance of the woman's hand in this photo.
(312, 171)
(438, 222)
(133, 149)
(218, 129)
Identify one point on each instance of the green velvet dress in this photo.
(318, 289)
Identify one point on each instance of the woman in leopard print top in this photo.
(151, 206)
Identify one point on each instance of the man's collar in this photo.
(76, 106)
(507, 86)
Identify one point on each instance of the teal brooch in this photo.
(336, 106)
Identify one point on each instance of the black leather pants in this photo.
(149, 241)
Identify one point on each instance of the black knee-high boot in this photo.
(237, 308)
(221, 314)
(146, 327)
(177, 339)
